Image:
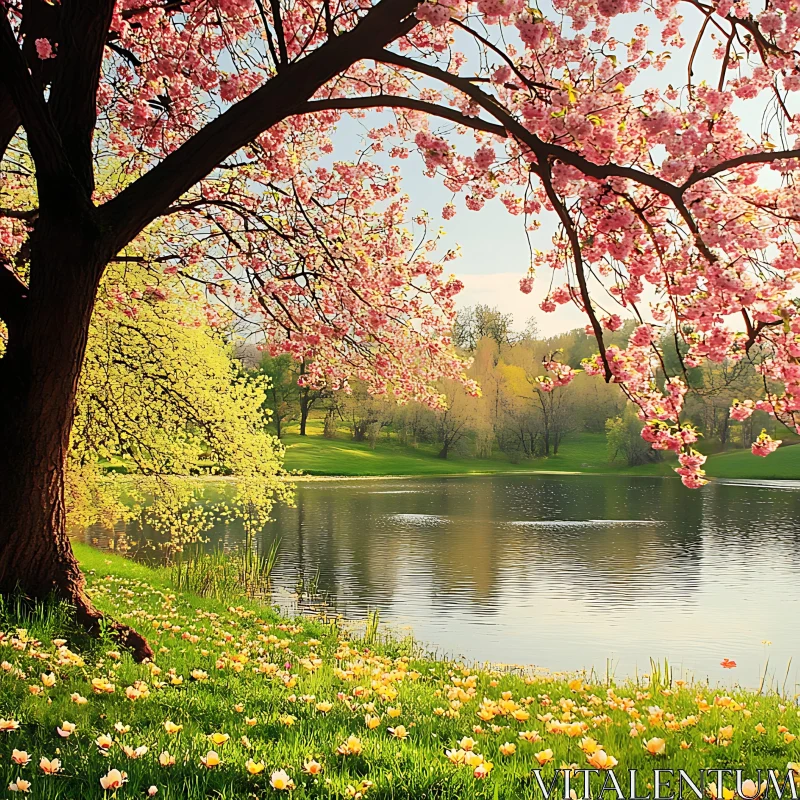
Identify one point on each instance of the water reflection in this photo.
(561, 571)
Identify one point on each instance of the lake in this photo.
(564, 572)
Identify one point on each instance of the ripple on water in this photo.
(420, 519)
(582, 523)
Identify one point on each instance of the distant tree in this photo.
(308, 396)
(282, 392)
(365, 413)
(452, 424)
(624, 439)
(477, 322)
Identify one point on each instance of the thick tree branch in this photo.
(53, 174)
(378, 101)
(9, 119)
(73, 94)
(280, 98)
(577, 257)
(13, 295)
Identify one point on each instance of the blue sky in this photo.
(494, 248)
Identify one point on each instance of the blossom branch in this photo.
(394, 101)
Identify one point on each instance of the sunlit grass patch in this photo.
(240, 702)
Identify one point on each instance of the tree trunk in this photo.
(443, 451)
(303, 411)
(38, 383)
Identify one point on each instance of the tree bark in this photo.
(304, 409)
(38, 383)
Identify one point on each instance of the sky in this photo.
(494, 250)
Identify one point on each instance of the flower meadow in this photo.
(241, 703)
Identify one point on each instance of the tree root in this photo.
(92, 619)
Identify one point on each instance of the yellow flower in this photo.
(166, 760)
(280, 781)
(371, 721)
(19, 785)
(530, 736)
(312, 767)
(66, 729)
(103, 741)
(210, 759)
(170, 727)
(760, 728)
(48, 679)
(685, 745)
(254, 768)
(287, 719)
(727, 794)
(399, 732)
(589, 745)
(467, 743)
(352, 747)
(726, 732)
(239, 708)
(101, 685)
(113, 780)
(507, 749)
(575, 685)
(120, 728)
(49, 767)
(472, 759)
(20, 757)
(789, 738)
(655, 746)
(219, 738)
(394, 712)
(750, 790)
(456, 756)
(324, 707)
(199, 675)
(78, 699)
(544, 756)
(520, 715)
(251, 721)
(601, 760)
(483, 770)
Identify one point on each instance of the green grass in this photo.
(255, 669)
(580, 452)
(315, 455)
(783, 464)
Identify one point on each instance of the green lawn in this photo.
(315, 455)
(585, 452)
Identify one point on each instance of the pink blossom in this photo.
(44, 49)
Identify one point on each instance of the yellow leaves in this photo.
(570, 90)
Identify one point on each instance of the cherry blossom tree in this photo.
(196, 137)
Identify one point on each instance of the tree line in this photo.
(515, 415)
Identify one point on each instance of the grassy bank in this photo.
(240, 701)
(585, 452)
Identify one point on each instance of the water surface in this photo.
(564, 572)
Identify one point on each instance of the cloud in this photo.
(501, 290)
